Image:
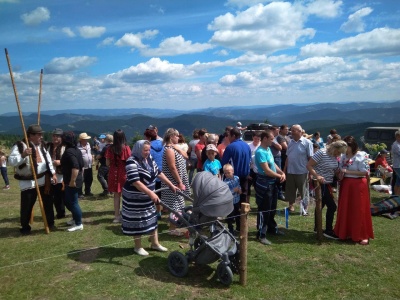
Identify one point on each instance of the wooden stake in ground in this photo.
(318, 210)
(46, 226)
(244, 230)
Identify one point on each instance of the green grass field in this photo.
(99, 262)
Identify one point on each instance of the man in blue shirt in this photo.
(238, 154)
(269, 174)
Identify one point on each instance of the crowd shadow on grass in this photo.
(109, 255)
(200, 276)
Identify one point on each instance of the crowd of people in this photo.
(277, 164)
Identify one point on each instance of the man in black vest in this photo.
(19, 158)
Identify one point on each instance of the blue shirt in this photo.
(238, 154)
(212, 166)
(233, 183)
(264, 156)
(298, 154)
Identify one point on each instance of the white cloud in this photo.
(260, 28)
(61, 65)
(68, 32)
(380, 41)
(36, 16)
(89, 32)
(135, 40)
(355, 22)
(107, 41)
(176, 46)
(324, 8)
(241, 79)
(222, 52)
(315, 64)
(154, 71)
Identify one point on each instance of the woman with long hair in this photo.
(354, 215)
(116, 156)
(174, 168)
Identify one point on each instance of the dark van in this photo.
(377, 135)
(247, 135)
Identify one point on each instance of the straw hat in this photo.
(84, 136)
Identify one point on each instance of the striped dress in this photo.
(138, 210)
(175, 201)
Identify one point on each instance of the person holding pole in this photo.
(19, 158)
(322, 167)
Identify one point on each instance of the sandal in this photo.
(175, 233)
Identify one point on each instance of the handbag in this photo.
(339, 174)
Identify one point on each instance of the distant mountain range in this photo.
(347, 117)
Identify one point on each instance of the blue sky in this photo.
(182, 54)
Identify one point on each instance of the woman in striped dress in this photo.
(174, 168)
(138, 198)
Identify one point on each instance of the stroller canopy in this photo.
(212, 196)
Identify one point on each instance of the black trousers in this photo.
(58, 199)
(87, 180)
(329, 201)
(28, 199)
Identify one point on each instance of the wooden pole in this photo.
(244, 230)
(38, 122)
(46, 226)
(318, 210)
(40, 96)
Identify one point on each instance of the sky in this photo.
(192, 54)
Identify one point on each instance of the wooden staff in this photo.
(40, 96)
(244, 230)
(46, 226)
(38, 122)
(318, 210)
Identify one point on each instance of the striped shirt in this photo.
(326, 165)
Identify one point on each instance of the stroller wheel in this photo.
(224, 274)
(178, 264)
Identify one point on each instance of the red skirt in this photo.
(354, 219)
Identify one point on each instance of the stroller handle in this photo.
(180, 193)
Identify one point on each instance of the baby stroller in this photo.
(209, 240)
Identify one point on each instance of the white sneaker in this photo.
(141, 252)
(71, 222)
(75, 228)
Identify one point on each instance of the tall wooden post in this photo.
(318, 210)
(244, 230)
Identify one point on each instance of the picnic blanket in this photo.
(387, 205)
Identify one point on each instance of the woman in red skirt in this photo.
(354, 219)
(116, 156)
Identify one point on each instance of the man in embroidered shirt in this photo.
(19, 158)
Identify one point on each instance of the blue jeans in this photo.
(4, 174)
(71, 202)
(266, 199)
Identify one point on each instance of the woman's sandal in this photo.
(364, 242)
